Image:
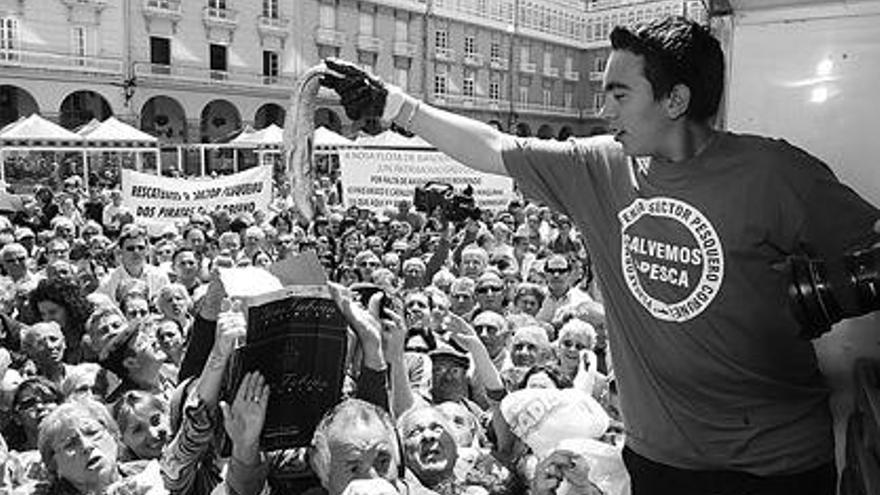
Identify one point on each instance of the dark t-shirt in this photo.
(711, 370)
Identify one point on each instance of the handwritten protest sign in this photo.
(159, 201)
(374, 178)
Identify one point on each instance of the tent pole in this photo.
(202, 162)
(235, 160)
(180, 160)
(85, 155)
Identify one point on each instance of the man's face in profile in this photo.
(638, 121)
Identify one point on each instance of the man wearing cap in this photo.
(461, 297)
(26, 237)
(489, 293)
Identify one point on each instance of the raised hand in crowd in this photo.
(560, 468)
(243, 420)
(365, 323)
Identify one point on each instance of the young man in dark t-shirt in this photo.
(687, 226)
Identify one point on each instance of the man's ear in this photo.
(130, 363)
(678, 101)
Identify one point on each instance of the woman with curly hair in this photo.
(61, 301)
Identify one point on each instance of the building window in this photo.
(218, 61)
(524, 54)
(468, 84)
(523, 94)
(217, 4)
(401, 29)
(367, 61)
(568, 99)
(327, 16)
(494, 90)
(495, 51)
(160, 54)
(599, 64)
(9, 45)
(470, 45)
(598, 102)
(326, 51)
(401, 78)
(569, 65)
(440, 80)
(548, 60)
(367, 23)
(79, 45)
(547, 97)
(270, 67)
(270, 9)
(441, 39)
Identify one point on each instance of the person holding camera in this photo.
(687, 226)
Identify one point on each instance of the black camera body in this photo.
(823, 293)
(455, 207)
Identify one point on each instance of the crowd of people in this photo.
(115, 343)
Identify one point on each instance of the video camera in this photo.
(455, 207)
(821, 295)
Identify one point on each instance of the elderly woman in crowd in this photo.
(175, 304)
(79, 444)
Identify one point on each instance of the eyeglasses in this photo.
(556, 271)
(488, 288)
(488, 329)
(416, 304)
(132, 249)
(17, 259)
(460, 295)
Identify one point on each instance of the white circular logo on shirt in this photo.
(671, 257)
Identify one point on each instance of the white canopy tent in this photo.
(34, 133)
(113, 135)
(391, 139)
(267, 142)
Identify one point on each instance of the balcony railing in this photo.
(528, 67)
(404, 49)
(95, 4)
(48, 61)
(273, 26)
(596, 76)
(369, 43)
(551, 71)
(329, 37)
(163, 9)
(444, 54)
(546, 109)
(202, 75)
(219, 17)
(498, 63)
(473, 59)
(571, 75)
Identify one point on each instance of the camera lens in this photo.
(864, 271)
(811, 296)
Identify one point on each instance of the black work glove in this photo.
(362, 95)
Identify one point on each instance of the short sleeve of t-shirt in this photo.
(556, 173)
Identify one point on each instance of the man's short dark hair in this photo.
(185, 248)
(678, 51)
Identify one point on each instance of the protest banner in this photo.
(160, 201)
(374, 178)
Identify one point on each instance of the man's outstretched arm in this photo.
(364, 96)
